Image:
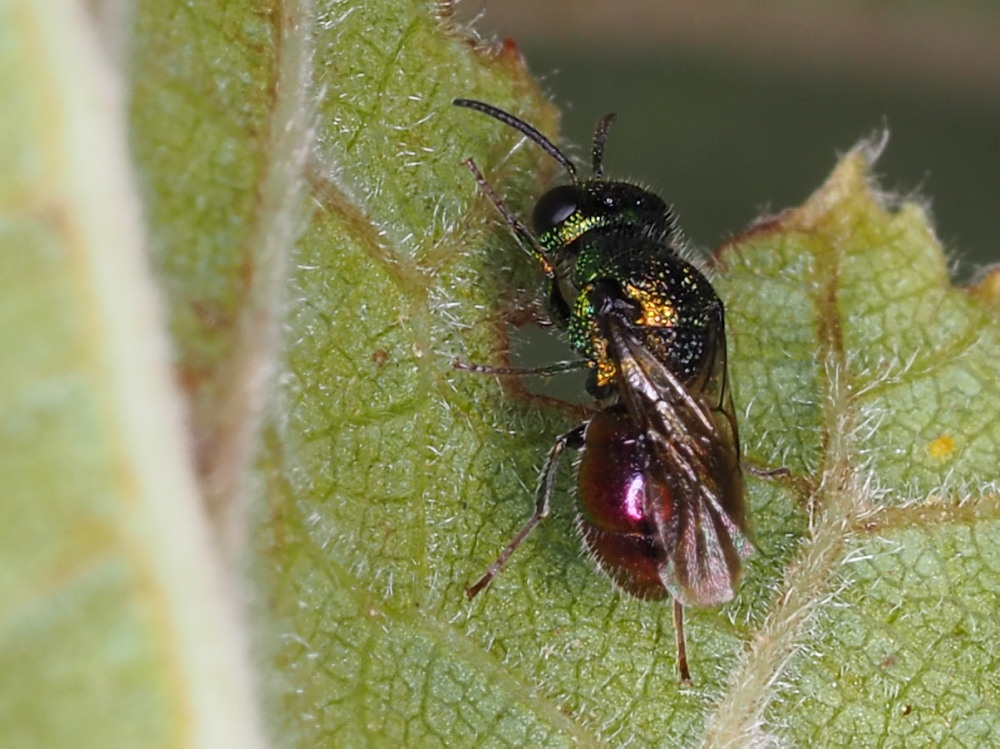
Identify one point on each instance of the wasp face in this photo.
(566, 213)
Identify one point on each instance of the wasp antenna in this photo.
(600, 138)
(523, 127)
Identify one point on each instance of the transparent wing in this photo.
(693, 448)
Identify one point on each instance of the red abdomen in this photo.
(617, 501)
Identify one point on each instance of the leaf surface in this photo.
(312, 226)
(118, 626)
(855, 362)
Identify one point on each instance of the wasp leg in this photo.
(767, 473)
(572, 439)
(524, 236)
(548, 369)
(682, 658)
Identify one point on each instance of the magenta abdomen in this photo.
(615, 495)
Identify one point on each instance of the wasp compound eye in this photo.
(555, 206)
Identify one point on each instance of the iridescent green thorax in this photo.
(671, 303)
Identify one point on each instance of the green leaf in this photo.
(882, 629)
(856, 364)
(117, 624)
(386, 481)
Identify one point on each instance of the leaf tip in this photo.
(987, 288)
(849, 182)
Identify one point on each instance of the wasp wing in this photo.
(693, 450)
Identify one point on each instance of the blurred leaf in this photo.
(117, 627)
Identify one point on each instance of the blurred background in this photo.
(730, 110)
